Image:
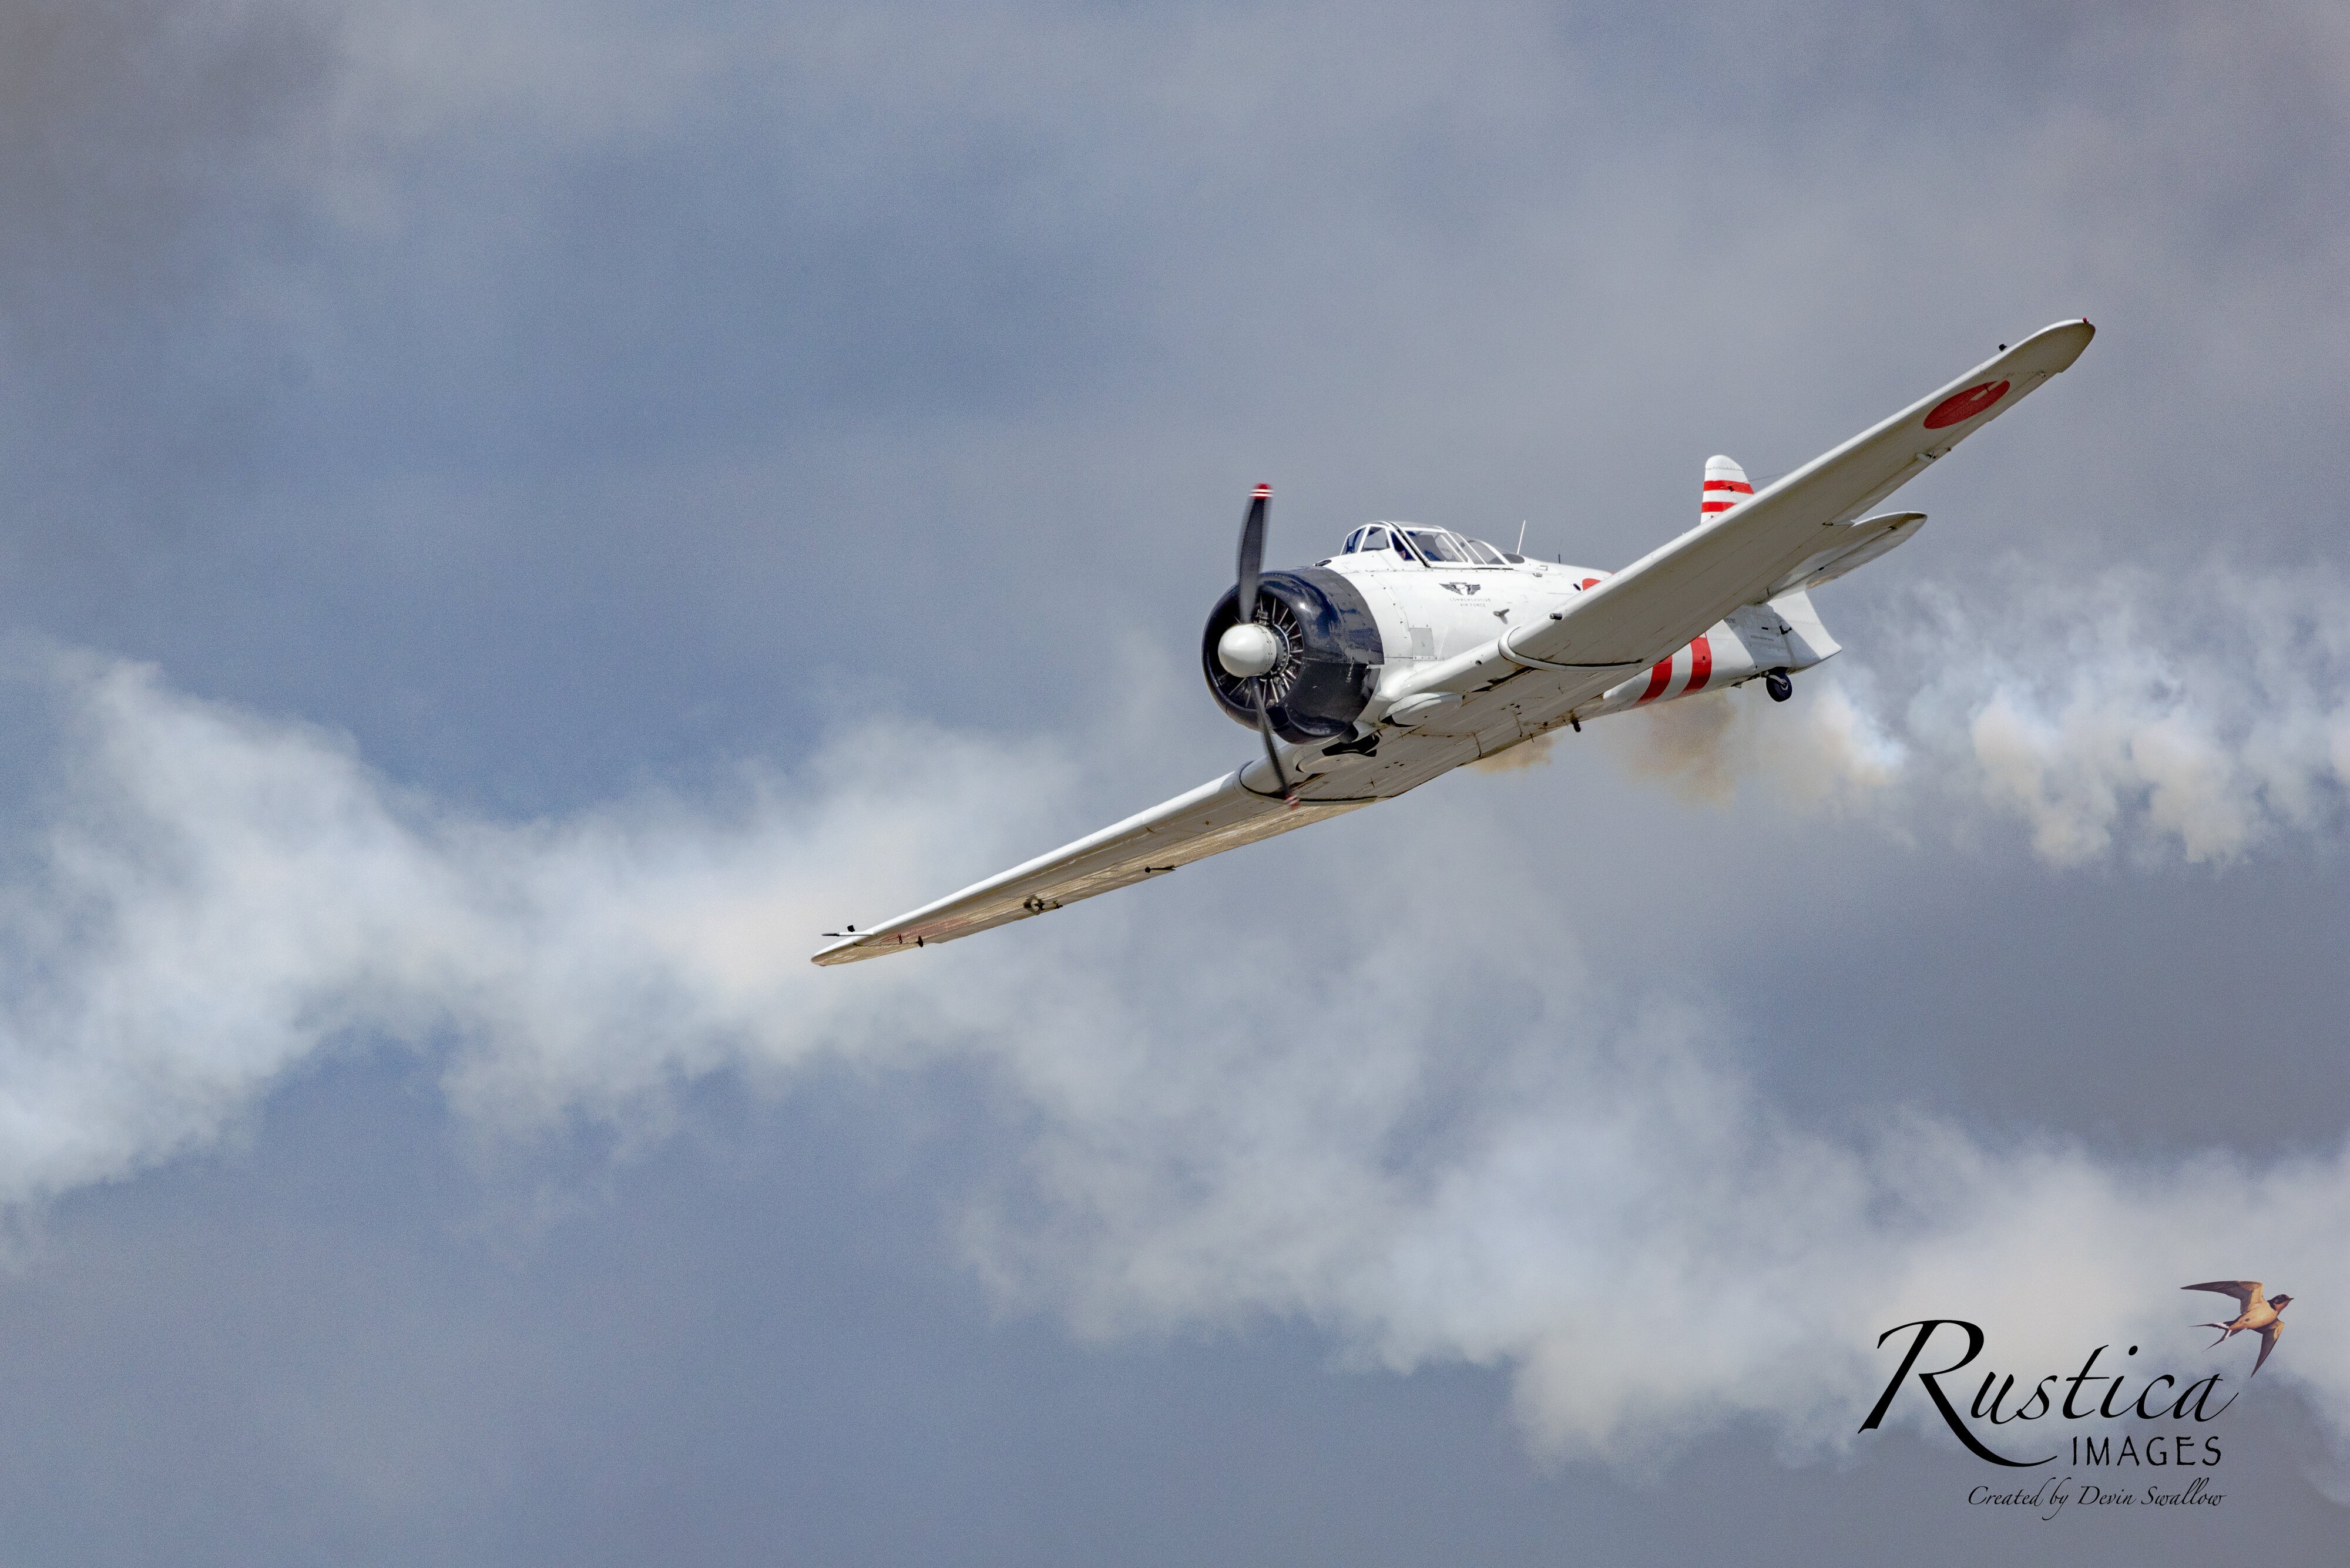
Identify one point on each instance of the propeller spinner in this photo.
(1250, 650)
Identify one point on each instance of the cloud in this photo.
(513, 383)
(1620, 1218)
(1439, 1145)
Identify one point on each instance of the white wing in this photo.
(1743, 555)
(1214, 818)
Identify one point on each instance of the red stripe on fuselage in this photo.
(1738, 484)
(1659, 679)
(1700, 666)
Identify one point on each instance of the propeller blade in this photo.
(1252, 552)
(1264, 726)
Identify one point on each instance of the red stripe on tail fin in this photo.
(1725, 487)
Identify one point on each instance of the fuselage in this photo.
(1429, 594)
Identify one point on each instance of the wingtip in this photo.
(2051, 350)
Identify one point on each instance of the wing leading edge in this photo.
(1219, 815)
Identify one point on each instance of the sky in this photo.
(515, 518)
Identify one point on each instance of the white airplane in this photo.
(1414, 649)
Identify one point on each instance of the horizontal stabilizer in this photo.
(1806, 640)
(1852, 545)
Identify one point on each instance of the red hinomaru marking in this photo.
(1659, 679)
(1965, 405)
(1591, 582)
(1700, 666)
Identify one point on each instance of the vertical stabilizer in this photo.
(1725, 487)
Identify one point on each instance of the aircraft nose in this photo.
(1248, 650)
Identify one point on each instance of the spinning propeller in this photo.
(1250, 650)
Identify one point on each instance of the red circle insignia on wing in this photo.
(1965, 405)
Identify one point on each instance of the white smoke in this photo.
(2136, 716)
(1580, 1187)
(214, 898)
(1626, 1223)
(2143, 717)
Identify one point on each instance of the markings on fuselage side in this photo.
(1660, 675)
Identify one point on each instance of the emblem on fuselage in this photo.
(1461, 587)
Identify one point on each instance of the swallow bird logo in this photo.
(2260, 1315)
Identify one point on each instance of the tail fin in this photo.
(1725, 487)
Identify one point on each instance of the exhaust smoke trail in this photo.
(2138, 718)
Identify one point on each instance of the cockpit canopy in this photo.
(1430, 546)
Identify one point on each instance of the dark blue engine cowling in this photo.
(1329, 659)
